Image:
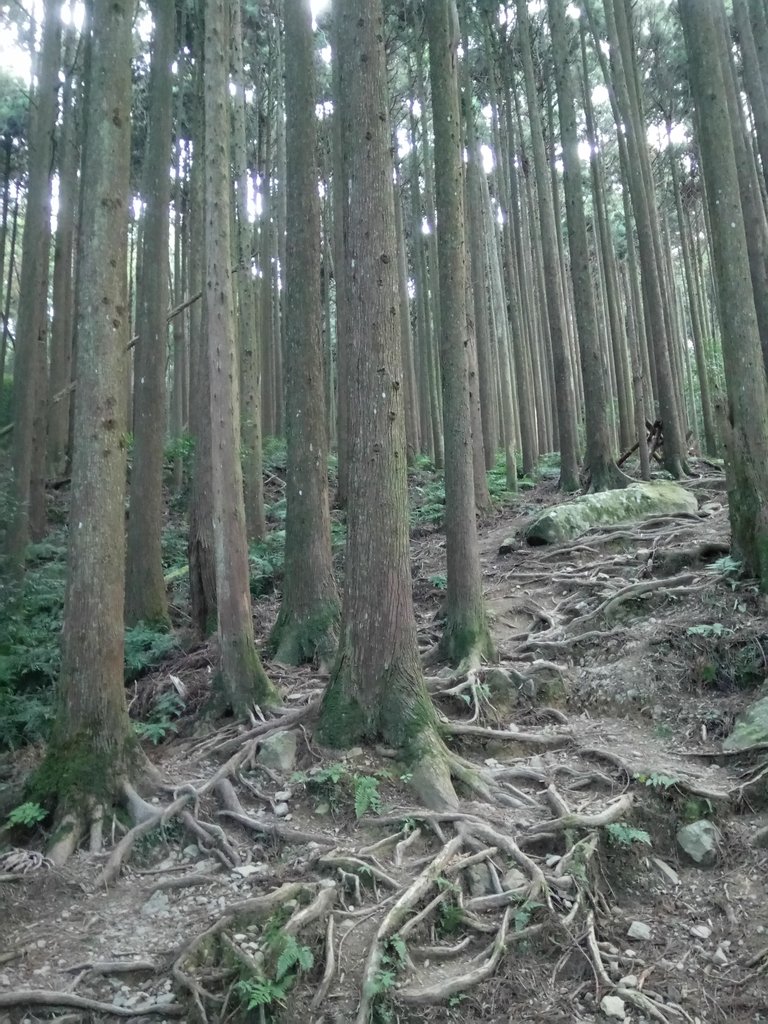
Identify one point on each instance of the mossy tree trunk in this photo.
(603, 471)
(93, 747)
(746, 421)
(377, 689)
(241, 676)
(145, 596)
(306, 626)
(466, 633)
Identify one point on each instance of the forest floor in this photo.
(627, 655)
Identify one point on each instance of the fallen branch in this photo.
(42, 997)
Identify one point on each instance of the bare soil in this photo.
(606, 706)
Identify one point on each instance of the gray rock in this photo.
(569, 520)
(700, 842)
(700, 931)
(281, 810)
(479, 879)
(158, 903)
(613, 1007)
(720, 957)
(750, 727)
(514, 879)
(639, 932)
(191, 852)
(279, 751)
(283, 795)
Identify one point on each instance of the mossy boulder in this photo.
(750, 728)
(607, 508)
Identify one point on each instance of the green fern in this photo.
(367, 796)
(27, 814)
(256, 992)
(621, 834)
(293, 955)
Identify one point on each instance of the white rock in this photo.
(281, 810)
(720, 957)
(666, 870)
(613, 1007)
(282, 795)
(629, 981)
(245, 871)
(639, 932)
(700, 931)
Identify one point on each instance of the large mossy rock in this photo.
(750, 728)
(606, 508)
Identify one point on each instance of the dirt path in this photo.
(599, 712)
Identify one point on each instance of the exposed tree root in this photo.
(41, 997)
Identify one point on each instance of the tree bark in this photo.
(241, 678)
(145, 596)
(306, 626)
(746, 418)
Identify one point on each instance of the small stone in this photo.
(514, 879)
(279, 750)
(719, 956)
(282, 795)
(353, 753)
(639, 932)
(479, 879)
(700, 931)
(666, 870)
(700, 842)
(158, 903)
(281, 810)
(245, 871)
(629, 981)
(613, 1007)
(239, 936)
(323, 808)
(191, 852)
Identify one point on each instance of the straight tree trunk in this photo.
(466, 638)
(248, 317)
(241, 678)
(377, 688)
(566, 401)
(145, 596)
(29, 365)
(93, 749)
(60, 375)
(746, 418)
(600, 463)
(306, 626)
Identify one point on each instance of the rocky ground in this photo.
(607, 862)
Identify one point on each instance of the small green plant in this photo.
(293, 957)
(658, 781)
(522, 916)
(337, 785)
(160, 722)
(439, 581)
(257, 993)
(621, 834)
(367, 796)
(267, 562)
(450, 918)
(27, 815)
(145, 647)
(726, 566)
(709, 630)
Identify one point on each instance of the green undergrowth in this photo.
(31, 612)
(427, 489)
(340, 789)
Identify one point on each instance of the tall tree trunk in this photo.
(93, 748)
(377, 689)
(241, 677)
(60, 376)
(29, 385)
(307, 624)
(746, 419)
(566, 401)
(248, 317)
(600, 463)
(466, 637)
(145, 596)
